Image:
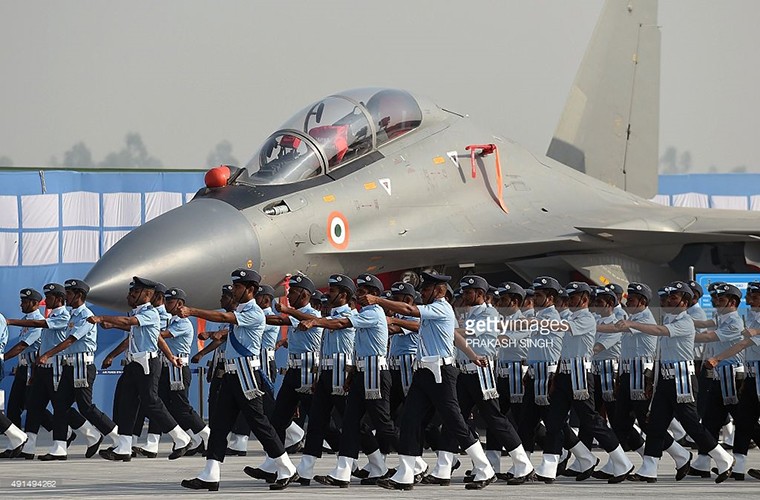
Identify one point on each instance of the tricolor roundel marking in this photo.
(337, 230)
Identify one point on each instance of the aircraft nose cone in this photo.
(194, 247)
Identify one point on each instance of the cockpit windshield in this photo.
(332, 132)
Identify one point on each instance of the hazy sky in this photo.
(187, 74)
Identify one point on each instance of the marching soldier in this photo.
(303, 365)
(240, 388)
(26, 349)
(572, 389)
(335, 357)
(749, 396)
(78, 375)
(673, 393)
(369, 386)
(433, 385)
(476, 387)
(723, 396)
(16, 437)
(139, 380)
(46, 377)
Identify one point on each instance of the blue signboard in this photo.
(738, 280)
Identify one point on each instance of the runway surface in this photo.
(79, 477)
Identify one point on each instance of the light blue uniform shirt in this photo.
(164, 315)
(515, 349)
(371, 331)
(637, 344)
(565, 313)
(183, 333)
(85, 332)
(405, 342)
(752, 353)
(482, 321)
(144, 336)
(701, 351)
(679, 346)
(579, 340)
(3, 336)
(300, 341)
(271, 332)
(610, 341)
(437, 324)
(545, 343)
(31, 336)
(339, 341)
(244, 338)
(729, 331)
(55, 333)
(619, 313)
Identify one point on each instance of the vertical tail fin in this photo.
(610, 126)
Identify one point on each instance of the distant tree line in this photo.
(673, 162)
(134, 154)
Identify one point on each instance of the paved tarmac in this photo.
(79, 477)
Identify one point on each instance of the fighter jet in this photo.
(382, 180)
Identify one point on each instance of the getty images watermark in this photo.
(521, 332)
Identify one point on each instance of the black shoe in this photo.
(15, 452)
(582, 476)
(683, 470)
(331, 481)
(360, 473)
(504, 476)
(229, 452)
(568, 472)
(621, 477)
(390, 484)
(71, 439)
(303, 481)
(294, 448)
(468, 476)
(417, 477)
(200, 449)
(479, 485)
(49, 458)
(179, 452)
(431, 479)
(754, 473)
(281, 484)
(543, 479)
(736, 476)
(698, 473)
(26, 456)
(599, 474)
(109, 454)
(636, 478)
(92, 450)
(137, 450)
(256, 473)
(562, 466)
(199, 484)
(725, 474)
(370, 481)
(527, 478)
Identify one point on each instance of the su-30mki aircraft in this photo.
(382, 180)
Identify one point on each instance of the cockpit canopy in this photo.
(332, 132)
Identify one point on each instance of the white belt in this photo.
(327, 362)
(230, 367)
(131, 356)
(68, 359)
(294, 360)
(442, 361)
(468, 367)
(184, 359)
(361, 363)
